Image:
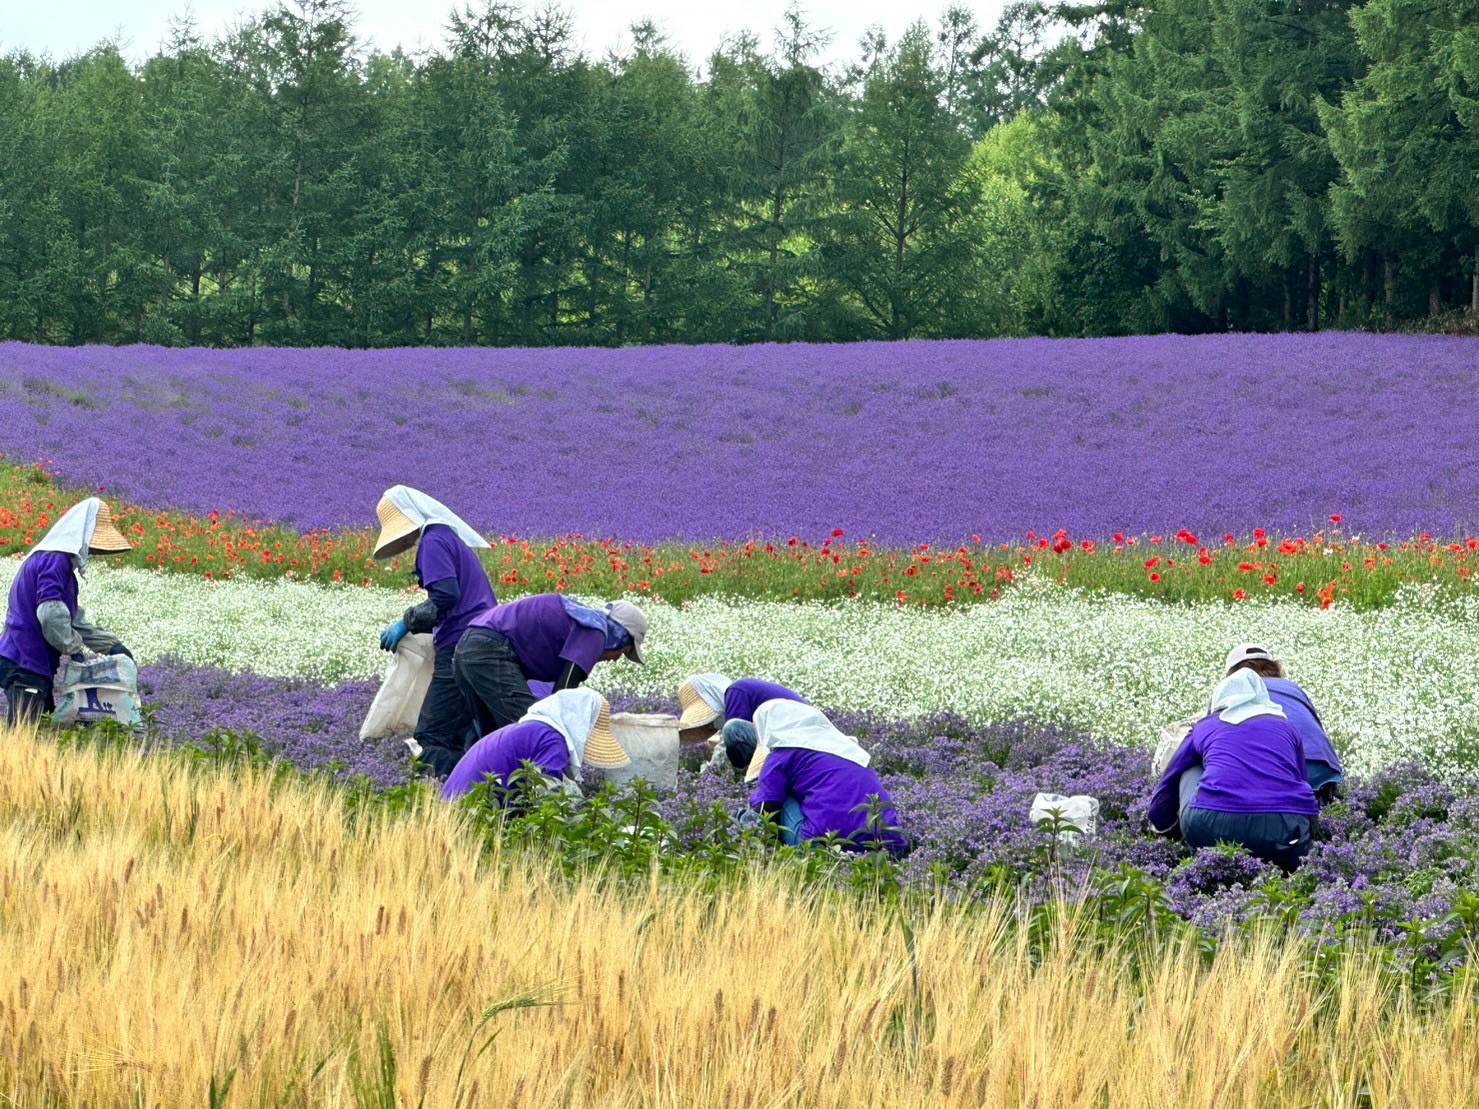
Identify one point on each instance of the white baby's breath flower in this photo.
(1391, 684)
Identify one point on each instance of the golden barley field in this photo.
(175, 936)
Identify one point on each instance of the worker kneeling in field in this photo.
(1252, 790)
(815, 782)
(44, 622)
(1322, 765)
(723, 712)
(458, 590)
(559, 734)
(545, 638)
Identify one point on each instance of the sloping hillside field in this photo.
(918, 442)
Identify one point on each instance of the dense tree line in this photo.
(1080, 168)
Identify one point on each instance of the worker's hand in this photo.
(391, 637)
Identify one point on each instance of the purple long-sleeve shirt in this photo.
(44, 576)
(743, 697)
(499, 754)
(543, 635)
(1253, 767)
(442, 555)
(833, 793)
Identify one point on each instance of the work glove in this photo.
(391, 637)
(120, 649)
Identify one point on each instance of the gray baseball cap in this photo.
(634, 620)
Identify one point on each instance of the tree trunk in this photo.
(1288, 300)
(1435, 298)
(1474, 284)
(1388, 280)
(1312, 310)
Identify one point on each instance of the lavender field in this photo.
(905, 442)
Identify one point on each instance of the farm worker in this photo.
(815, 781)
(548, 637)
(559, 734)
(1322, 764)
(712, 705)
(458, 590)
(44, 622)
(1253, 789)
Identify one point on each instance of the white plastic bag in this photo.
(651, 741)
(1078, 813)
(1172, 737)
(402, 690)
(99, 688)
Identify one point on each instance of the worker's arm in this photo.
(570, 677)
(56, 626)
(98, 639)
(1165, 802)
(442, 598)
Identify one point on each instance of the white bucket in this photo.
(651, 739)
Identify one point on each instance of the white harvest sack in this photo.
(1078, 813)
(105, 688)
(651, 741)
(1172, 737)
(398, 702)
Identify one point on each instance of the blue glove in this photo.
(391, 637)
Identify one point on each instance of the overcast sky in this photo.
(62, 27)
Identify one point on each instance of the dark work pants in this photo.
(1279, 838)
(27, 695)
(491, 679)
(445, 727)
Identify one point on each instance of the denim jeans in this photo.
(27, 695)
(790, 821)
(491, 680)
(445, 727)
(740, 738)
(1279, 838)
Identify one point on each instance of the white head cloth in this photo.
(573, 713)
(781, 723)
(423, 510)
(711, 687)
(1241, 696)
(73, 532)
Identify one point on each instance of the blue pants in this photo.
(445, 727)
(1279, 838)
(740, 739)
(28, 695)
(489, 675)
(790, 822)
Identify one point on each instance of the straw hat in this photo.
(757, 762)
(601, 749)
(696, 712)
(106, 538)
(398, 531)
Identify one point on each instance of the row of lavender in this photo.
(906, 442)
(1399, 856)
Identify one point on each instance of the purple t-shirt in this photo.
(833, 793)
(500, 753)
(45, 576)
(1253, 767)
(743, 697)
(543, 635)
(443, 555)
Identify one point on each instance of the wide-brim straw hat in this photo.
(398, 531)
(695, 711)
(601, 749)
(757, 762)
(106, 538)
